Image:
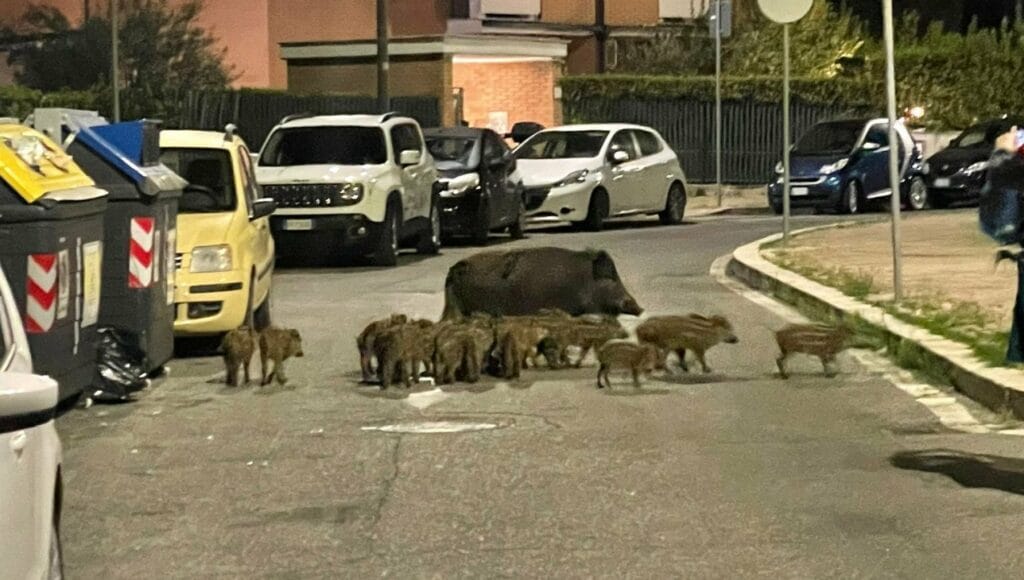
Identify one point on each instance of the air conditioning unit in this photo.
(683, 9)
(521, 9)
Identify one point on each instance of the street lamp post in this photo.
(383, 58)
(718, 99)
(894, 160)
(115, 68)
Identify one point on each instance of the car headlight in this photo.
(211, 259)
(835, 167)
(926, 168)
(976, 167)
(779, 168)
(462, 184)
(574, 177)
(350, 193)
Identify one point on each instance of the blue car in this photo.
(844, 166)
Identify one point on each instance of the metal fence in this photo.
(751, 131)
(256, 113)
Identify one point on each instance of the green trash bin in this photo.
(51, 247)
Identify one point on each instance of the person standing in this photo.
(1001, 218)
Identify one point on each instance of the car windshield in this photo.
(325, 146)
(562, 145)
(830, 138)
(211, 183)
(452, 152)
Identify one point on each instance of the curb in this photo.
(998, 389)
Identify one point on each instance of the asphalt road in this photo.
(735, 474)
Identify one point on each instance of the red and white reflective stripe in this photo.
(41, 299)
(140, 253)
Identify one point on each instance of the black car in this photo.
(958, 172)
(481, 191)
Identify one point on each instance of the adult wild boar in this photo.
(523, 282)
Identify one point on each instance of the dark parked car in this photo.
(844, 165)
(481, 190)
(958, 172)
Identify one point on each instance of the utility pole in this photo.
(383, 58)
(894, 159)
(718, 99)
(601, 35)
(115, 67)
(786, 137)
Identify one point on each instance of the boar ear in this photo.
(604, 267)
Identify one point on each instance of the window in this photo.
(562, 145)
(325, 146)
(405, 138)
(494, 148)
(623, 141)
(879, 135)
(452, 152)
(249, 185)
(211, 182)
(649, 143)
(830, 138)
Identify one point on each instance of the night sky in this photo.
(956, 14)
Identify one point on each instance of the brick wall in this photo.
(523, 90)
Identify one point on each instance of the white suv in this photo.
(367, 180)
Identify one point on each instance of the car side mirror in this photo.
(410, 157)
(619, 157)
(263, 207)
(26, 394)
(523, 130)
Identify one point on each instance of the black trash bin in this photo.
(141, 218)
(51, 247)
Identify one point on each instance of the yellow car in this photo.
(225, 252)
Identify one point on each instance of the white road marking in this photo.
(947, 409)
(431, 427)
(426, 398)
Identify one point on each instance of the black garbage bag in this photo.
(119, 370)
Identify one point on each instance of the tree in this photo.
(163, 54)
(826, 43)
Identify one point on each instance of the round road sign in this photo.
(785, 11)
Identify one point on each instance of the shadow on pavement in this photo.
(967, 469)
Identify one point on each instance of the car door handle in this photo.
(18, 442)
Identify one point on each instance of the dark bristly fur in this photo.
(368, 338)
(278, 345)
(820, 340)
(638, 358)
(238, 347)
(681, 333)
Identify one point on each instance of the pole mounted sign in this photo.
(785, 12)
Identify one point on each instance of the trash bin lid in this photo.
(36, 168)
(132, 149)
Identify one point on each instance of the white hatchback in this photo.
(30, 457)
(586, 174)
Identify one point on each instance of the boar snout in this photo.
(629, 306)
(731, 339)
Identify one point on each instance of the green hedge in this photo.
(852, 93)
(19, 102)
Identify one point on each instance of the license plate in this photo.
(799, 191)
(92, 261)
(298, 225)
(943, 182)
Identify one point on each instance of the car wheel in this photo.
(386, 254)
(430, 240)
(850, 200)
(917, 197)
(675, 206)
(262, 316)
(777, 208)
(517, 230)
(482, 227)
(597, 212)
(55, 570)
